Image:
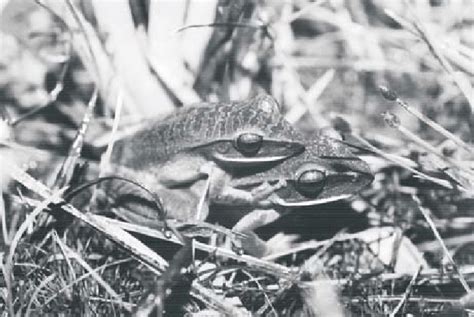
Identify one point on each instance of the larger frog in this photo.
(175, 157)
(234, 134)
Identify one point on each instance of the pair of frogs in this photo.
(237, 154)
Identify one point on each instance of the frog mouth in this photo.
(249, 160)
(309, 202)
(270, 151)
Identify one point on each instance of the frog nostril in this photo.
(341, 168)
(222, 147)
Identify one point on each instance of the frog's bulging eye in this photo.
(249, 143)
(311, 182)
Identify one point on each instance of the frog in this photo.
(193, 151)
(250, 132)
(198, 150)
(327, 171)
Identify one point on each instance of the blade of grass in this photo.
(407, 292)
(3, 217)
(149, 96)
(74, 255)
(105, 159)
(8, 267)
(117, 235)
(38, 289)
(426, 215)
(64, 175)
(268, 302)
(8, 283)
(203, 198)
(63, 251)
(81, 278)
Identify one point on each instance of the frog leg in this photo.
(252, 244)
(181, 171)
(220, 191)
(263, 194)
(260, 196)
(255, 219)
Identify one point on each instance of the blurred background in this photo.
(319, 59)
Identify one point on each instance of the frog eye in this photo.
(249, 143)
(311, 182)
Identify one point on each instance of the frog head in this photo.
(253, 133)
(326, 171)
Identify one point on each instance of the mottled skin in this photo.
(212, 130)
(176, 156)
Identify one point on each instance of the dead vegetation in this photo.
(393, 78)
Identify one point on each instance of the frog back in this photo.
(201, 124)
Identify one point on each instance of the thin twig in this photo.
(222, 24)
(105, 159)
(64, 174)
(387, 92)
(407, 293)
(395, 159)
(394, 122)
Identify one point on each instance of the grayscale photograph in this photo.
(208, 158)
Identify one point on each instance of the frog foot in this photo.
(232, 196)
(264, 191)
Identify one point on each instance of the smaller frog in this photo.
(327, 171)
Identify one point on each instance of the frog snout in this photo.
(357, 179)
(353, 170)
(356, 176)
(281, 149)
